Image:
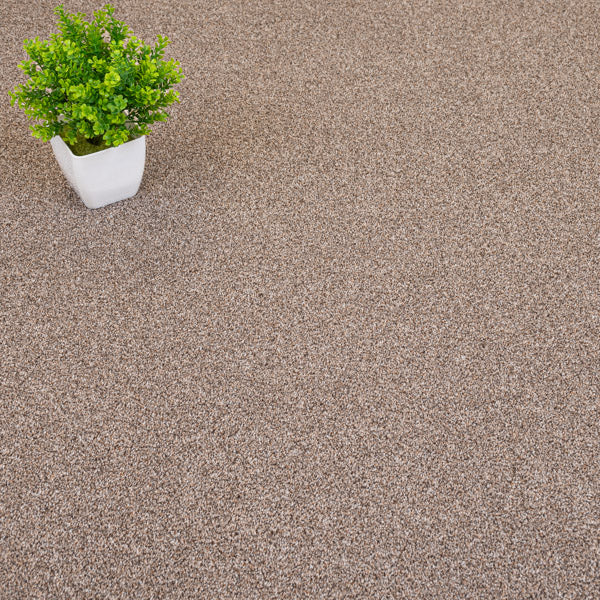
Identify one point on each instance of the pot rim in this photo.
(142, 137)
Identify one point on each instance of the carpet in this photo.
(343, 343)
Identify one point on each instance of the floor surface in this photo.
(344, 343)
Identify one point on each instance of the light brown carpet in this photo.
(344, 343)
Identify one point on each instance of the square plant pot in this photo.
(103, 177)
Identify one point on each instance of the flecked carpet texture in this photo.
(344, 343)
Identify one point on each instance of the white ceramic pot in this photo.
(103, 177)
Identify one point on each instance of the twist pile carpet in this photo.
(344, 343)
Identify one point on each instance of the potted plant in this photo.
(94, 89)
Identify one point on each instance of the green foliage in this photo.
(95, 81)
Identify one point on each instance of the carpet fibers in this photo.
(344, 342)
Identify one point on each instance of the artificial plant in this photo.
(95, 84)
